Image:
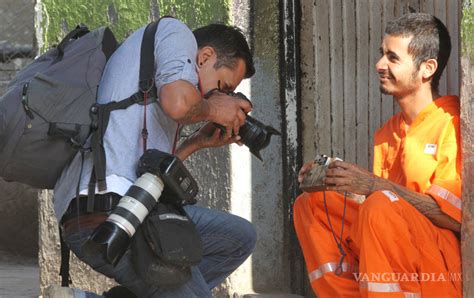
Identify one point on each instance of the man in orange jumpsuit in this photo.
(401, 241)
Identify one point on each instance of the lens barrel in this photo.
(112, 238)
(256, 135)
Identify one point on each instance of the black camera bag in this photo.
(166, 245)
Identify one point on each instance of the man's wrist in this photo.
(186, 148)
(381, 184)
(205, 109)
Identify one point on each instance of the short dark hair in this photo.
(229, 43)
(430, 40)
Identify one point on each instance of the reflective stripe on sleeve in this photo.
(445, 194)
(327, 267)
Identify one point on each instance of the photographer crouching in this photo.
(122, 231)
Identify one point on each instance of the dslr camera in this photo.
(255, 135)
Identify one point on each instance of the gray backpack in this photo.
(50, 109)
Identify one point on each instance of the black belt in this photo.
(102, 203)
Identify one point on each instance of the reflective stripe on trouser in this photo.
(330, 267)
(319, 248)
(387, 235)
(379, 287)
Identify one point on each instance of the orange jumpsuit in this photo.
(392, 249)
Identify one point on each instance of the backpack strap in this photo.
(147, 56)
(64, 269)
(100, 113)
(79, 31)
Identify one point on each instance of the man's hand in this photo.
(305, 169)
(208, 136)
(228, 111)
(344, 176)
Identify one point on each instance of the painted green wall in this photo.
(124, 16)
(467, 29)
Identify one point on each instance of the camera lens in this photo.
(256, 135)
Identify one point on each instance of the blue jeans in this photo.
(227, 242)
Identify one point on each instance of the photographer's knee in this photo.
(249, 236)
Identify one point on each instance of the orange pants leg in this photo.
(320, 250)
(399, 248)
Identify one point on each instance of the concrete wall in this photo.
(16, 23)
(230, 179)
(18, 203)
(256, 187)
(18, 219)
(467, 131)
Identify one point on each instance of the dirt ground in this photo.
(19, 276)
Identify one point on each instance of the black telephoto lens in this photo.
(108, 240)
(112, 238)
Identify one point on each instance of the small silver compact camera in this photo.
(314, 179)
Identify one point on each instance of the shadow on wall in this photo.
(18, 219)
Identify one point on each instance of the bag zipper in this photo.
(24, 101)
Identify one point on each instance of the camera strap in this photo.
(339, 269)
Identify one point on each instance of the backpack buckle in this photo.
(146, 85)
(93, 113)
